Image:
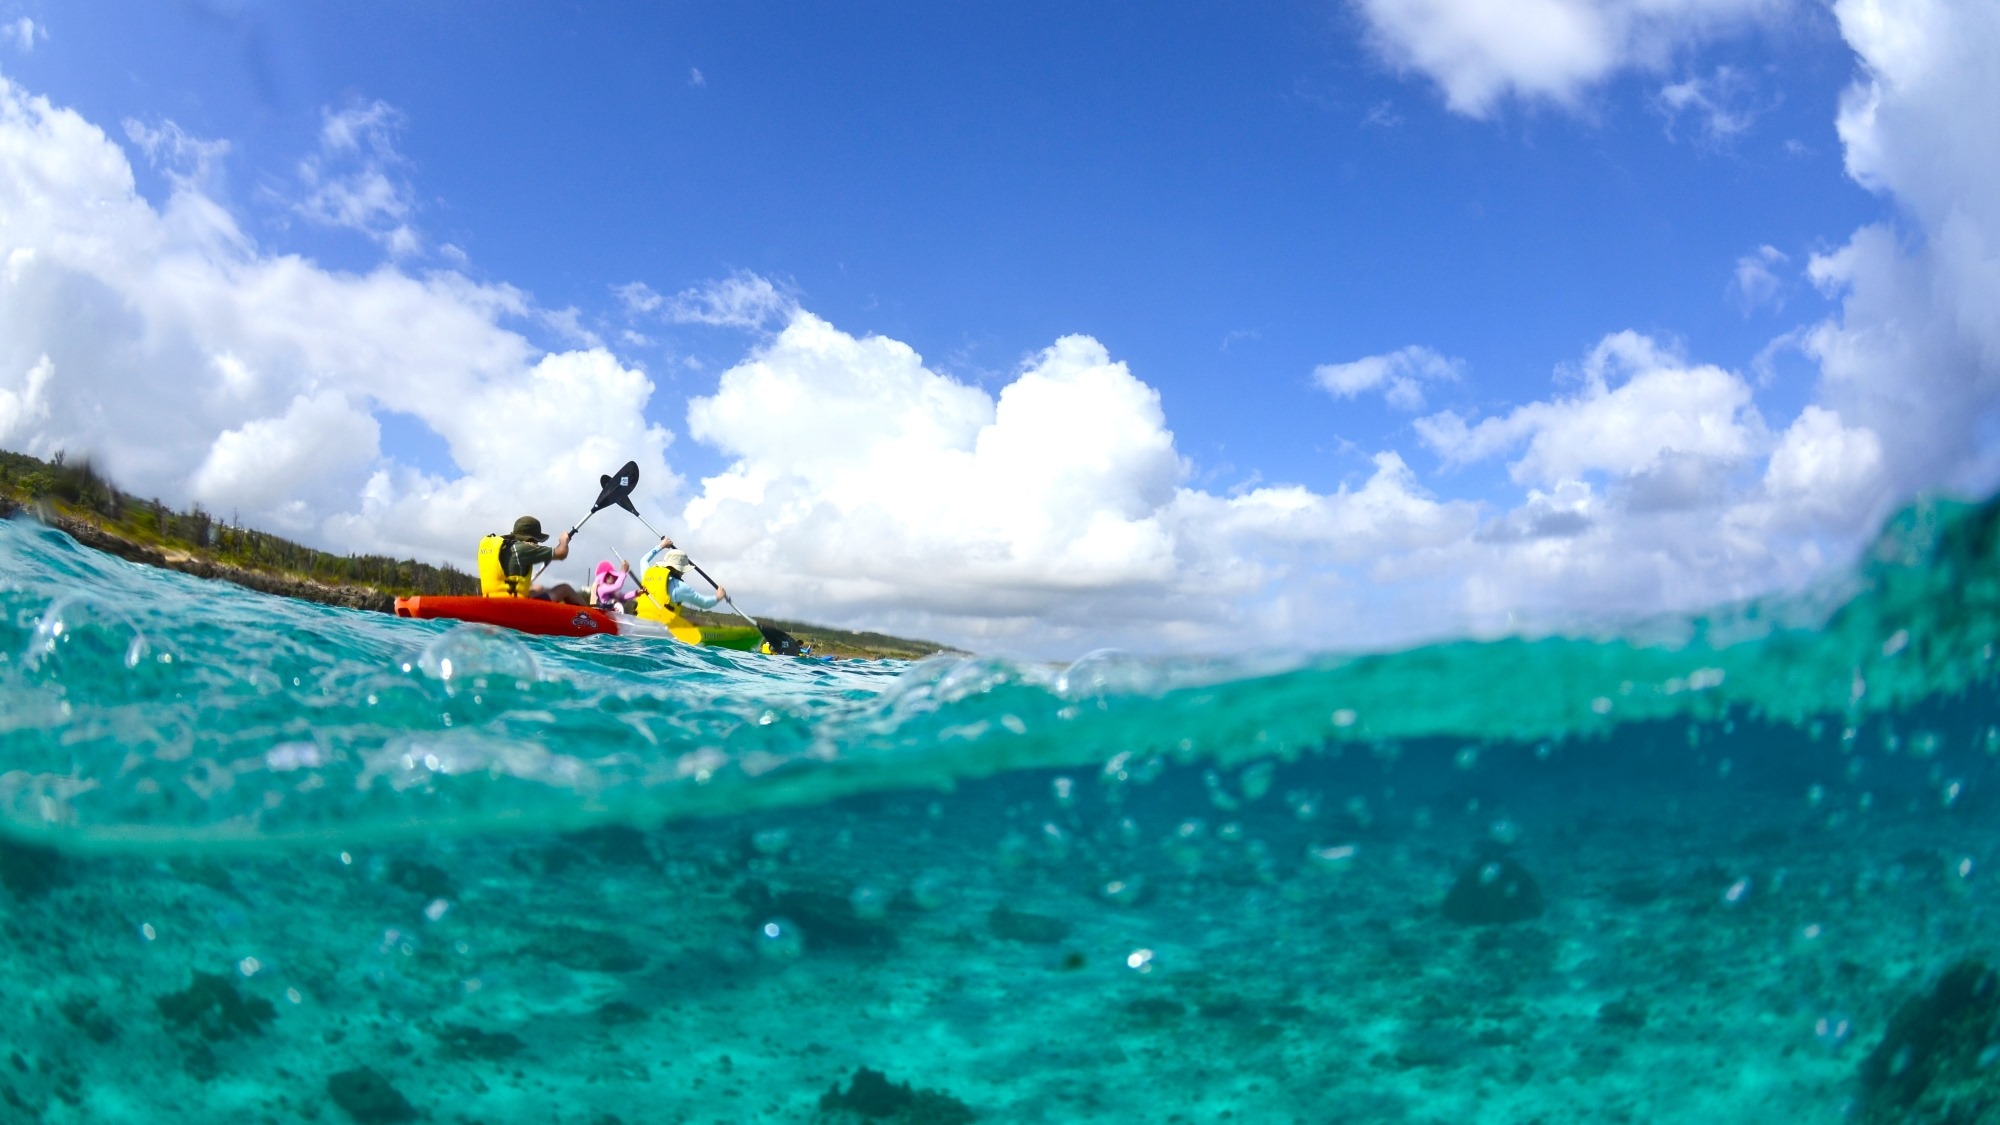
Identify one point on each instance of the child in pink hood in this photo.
(607, 588)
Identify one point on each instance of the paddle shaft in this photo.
(703, 573)
(572, 531)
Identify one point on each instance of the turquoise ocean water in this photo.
(270, 861)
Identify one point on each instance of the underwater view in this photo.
(270, 861)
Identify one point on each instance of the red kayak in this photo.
(528, 615)
(558, 619)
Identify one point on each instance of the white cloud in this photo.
(1753, 284)
(1382, 115)
(1722, 104)
(696, 79)
(866, 484)
(354, 181)
(1399, 375)
(266, 464)
(1638, 403)
(1824, 469)
(195, 366)
(1480, 52)
(1910, 367)
(1914, 355)
(23, 33)
(26, 402)
(638, 297)
(741, 300)
(866, 487)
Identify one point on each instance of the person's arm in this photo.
(685, 594)
(562, 547)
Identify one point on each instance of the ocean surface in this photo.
(268, 861)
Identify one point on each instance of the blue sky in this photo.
(1223, 197)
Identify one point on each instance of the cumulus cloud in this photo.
(25, 403)
(1908, 396)
(1638, 402)
(866, 486)
(354, 181)
(1824, 468)
(196, 366)
(1914, 353)
(867, 483)
(1480, 53)
(1399, 375)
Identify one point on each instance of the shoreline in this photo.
(825, 641)
(97, 538)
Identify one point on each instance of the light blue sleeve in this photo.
(684, 594)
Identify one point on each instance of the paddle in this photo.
(612, 489)
(781, 642)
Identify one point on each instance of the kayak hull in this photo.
(526, 615)
(556, 619)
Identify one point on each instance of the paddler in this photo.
(524, 549)
(675, 561)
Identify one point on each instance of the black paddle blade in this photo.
(625, 502)
(615, 488)
(780, 642)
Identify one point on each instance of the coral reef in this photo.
(871, 1096)
(368, 1097)
(1936, 1061)
(213, 1007)
(1493, 892)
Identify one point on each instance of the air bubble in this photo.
(1014, 851)
(1333, 860)
(1124, 892)
(1255, 780)
(779, 939)
(869, 902)
(1055, 841)
(476, 652)
(930, 889)
(82, 639)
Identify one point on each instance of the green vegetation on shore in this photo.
(75, 490)
(72, 496)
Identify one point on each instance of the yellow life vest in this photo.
(658, 581)
(494, 581)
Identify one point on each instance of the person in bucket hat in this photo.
(526, 548)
